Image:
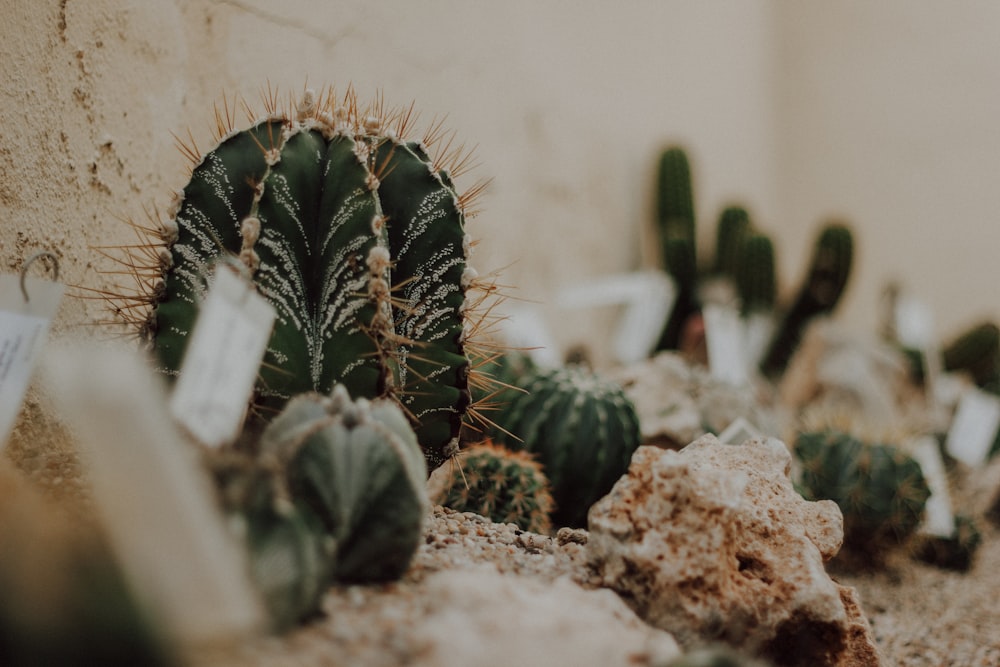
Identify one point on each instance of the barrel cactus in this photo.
(879, 488)
(819, 295)
(356, 467)
(504, 485)
(356, 236)
(582, 429)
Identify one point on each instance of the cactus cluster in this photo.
(879, 488)
(582, 429)
(744, 256)
(335, 492)
(503, 485)
(354, 233)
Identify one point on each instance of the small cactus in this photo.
(955, 552)
(755, 274)
(356, 465)
(730, 236)
(356, 236)
(582, 429)
(977, 352)
(880, 489)
(819, 295)
(503, 485)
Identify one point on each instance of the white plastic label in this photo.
(24, 327)
(974, 427)
(222, 360)
(725, 340)
(739, 431)
(939, 520)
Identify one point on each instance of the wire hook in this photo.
(28, 262)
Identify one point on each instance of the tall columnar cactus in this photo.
(356, 236)
(755, 275)
(880, 489)
(676, 227)
(356, 467)
(819, 295)
(582, 429)
(977, 352)
(504, 485)
(730, 237)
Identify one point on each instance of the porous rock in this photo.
(712, 543)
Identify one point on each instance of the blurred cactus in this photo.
(880, 489)
(976, 352)
(730, 237)
(819, 295)
(503, 485)
(676, 226)
(955, 552)
(582, 429)
(755, 274)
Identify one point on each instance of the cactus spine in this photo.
(495, 482)
(880, 489)
(819, 295)
(355, 235)
(676, 227)
(582, 429)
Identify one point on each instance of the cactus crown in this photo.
(354, 233)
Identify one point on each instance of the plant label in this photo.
(156, 501)
(974, 427)
(939, 519)
(739, 431)
(222, 360)
(724, 336)
(24, 327)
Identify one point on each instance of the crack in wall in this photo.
(329, 41)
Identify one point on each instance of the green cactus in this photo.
(977, 352)
(355, 235)
(582, 429)
(357, 467)
(495, 482)
(828, 274)
(955, 552)
(676, 227)
(498, 381)
(730, 237)
(880, 489)
(755, 275)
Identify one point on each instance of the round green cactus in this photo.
(819, 295)
(504, 485)
(357, 467)
(582, 429)
(880, 489)
(355, 235)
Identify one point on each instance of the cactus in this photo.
(880, 489)
(582, 429)
(828, 274)
(977, 352)
(357, 467)
(497, 382)
(356, 237)
(755, 276)
(955, 552)
(730, 236)
(676, 227)
(495, 482)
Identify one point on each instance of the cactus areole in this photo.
(356, 237)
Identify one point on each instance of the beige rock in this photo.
(480, 617)
(713, 543)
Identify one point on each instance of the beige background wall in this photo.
(884, 113)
